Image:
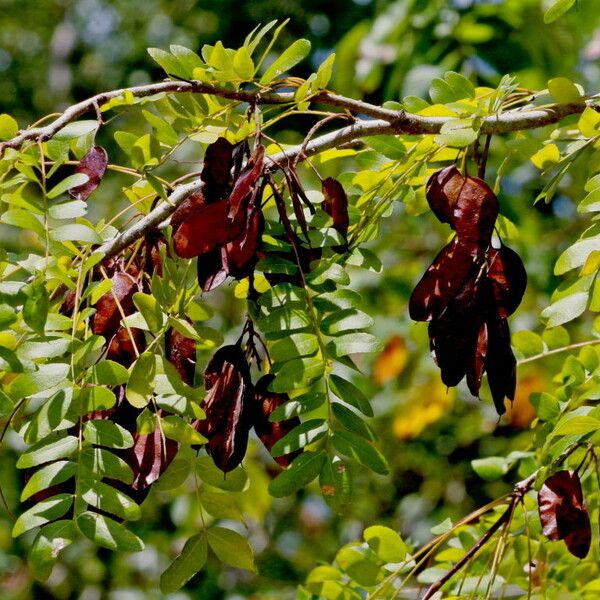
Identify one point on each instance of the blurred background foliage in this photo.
(55, 52)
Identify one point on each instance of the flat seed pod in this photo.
(245, 185)
(475, 212)
(507, 278)
(211, 270)
(265, 403)
(149, 457)
(335, 204)
(500, 364)
(449, 273)
(180, 351)
(563, 512)
(207, 228)
(442, 190)
(240, 255)
(216, 172)
(476, 364)
(93, 164)
(122, 348)
(108, 316)
(226, 404)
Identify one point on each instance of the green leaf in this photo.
(106, 498)
(546, 406)
(324, 72)
(141, 380)
(151, 311)
(300, 473)
(343, 321)
(221, 506)
(75, 232)
(175, 428)
(566, 309)
(356, 343)
(46, 547)
(490, 468)
(108, 372)
(556, 10)
(175, 475)
(356, 447)
(339, 300)
(289, 58)
(45, 511)
(388, 145)
(107, 433)
(287, 318)
(97, 398)
(352, 421)
(576, 425)
(576, 255)
(8, 127)
(47, 476)
(17, 217)
(103, 463)
(293, 346)
(350, 394)
(77, 129)
(35, 309)
(563, 90)
(66, 184)
(328, 272)
(234, 481)
(169, 63)
(231, 548)
(528, 342)
(186, 565)
(243, 64)
(8, 316)
(55, 414)
(107, 533)
(46, 450)
(298, 373)
(334, 480)
(302, 435)
(386, 543)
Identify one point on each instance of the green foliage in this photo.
(374, 433)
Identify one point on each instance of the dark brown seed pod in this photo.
(125, 345)
(335, 204)
(265, 403)
(226, 404)
(180, 351)
(469, 289)
(108, 315)
(564, 513)
(93, 164)
(216, 172)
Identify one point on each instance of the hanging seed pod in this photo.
(108, 314)
(564, 513)
(469, 289)
(180, 351)
(125, 346)
(265, 403)
(228, 417)
(93, 164)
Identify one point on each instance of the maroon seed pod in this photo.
(563, 512)
(265, 403)
(180, 351)
(93, 164)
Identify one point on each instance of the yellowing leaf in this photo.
(588, 122)
(546, 157)
(391, 361)
(427, 403)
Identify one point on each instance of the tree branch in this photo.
(404, 122)
(159, 215)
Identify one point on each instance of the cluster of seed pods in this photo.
(470, 289)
